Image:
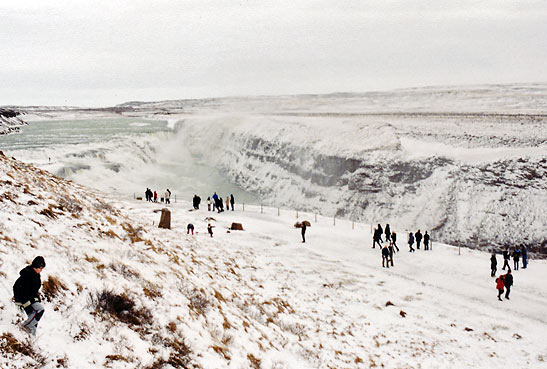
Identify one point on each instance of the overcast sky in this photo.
(98, 53)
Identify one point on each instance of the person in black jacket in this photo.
(394, 240)
(493, 265)
(508, 283)
(232, 201)
(385, 256)
(303, 232)
(418, 237)
(411, 242)
(25, 293)
(376, 238)
(426, 241)
(387, 232)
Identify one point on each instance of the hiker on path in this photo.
(210, 229)
(385, 256)
(411, 242)
(376, 238)
(426, 241)
(227, 203)
(394, 240)
(508, 281)
(155, 196)
(493, 265)
(190, 227)
(500, 286)
(167, 196)
(303, 232)
(524, 253)
(209, 204)
(196, 201)
(387, 232)
(232, 201)
(390, 248)
(516, 258)
(25, 293)
(418, 237)
(220, 205)
(380, 232)
(506, 259)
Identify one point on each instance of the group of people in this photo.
(190, 228)
(153, 196)
(418, 238)
(506, 281)
(215, 202)
(388, 249)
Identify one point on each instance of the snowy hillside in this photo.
(122, 293)
(9, 121)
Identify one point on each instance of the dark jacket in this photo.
(508, 280)
(26, 287)
(505, 255)
(387, 231)
(516, 255)
(426, 238)
(524, 252)
(303, 227)
(394, 237)
(232, 199)
(493, 261)
(410, 238)
(418, 236)
(385, 252)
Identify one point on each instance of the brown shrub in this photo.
(152, 291)
(198, 303)
(179, 357)
(91, 259)
(52, 287)
(221, 350)
(11, 347)
(134, 234)
(121, 307)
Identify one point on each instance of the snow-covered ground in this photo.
(257, 298)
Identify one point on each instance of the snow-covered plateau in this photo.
(10, 121)
(119, 292)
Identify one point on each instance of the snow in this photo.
(253, 298)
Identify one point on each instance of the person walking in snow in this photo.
(25, 293)
(215, 202)
(220, 205)
(232, 201)
(506, 259)
(210, 229)
(155, 196)
(391, 252)
(227, 203)
(387, 232)
(380, 232)
(426, 241)
(209, 203)
(516, 258)
(508, 282)
(376, 238)
(411, 242)
(493, 265)
(385, 256)
(196, 201)
(524, 253)
(418, 237)
(394, 240)
(303, 232)
(167, 196)
(190, 228)
(500, 286)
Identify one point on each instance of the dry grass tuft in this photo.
(11, 347)
(111, 358)
(91, 259)
(255, 362)
(221, 350)
(121, 307)
(124, 270)
(198, 303)
(152, 291)
(134, 234)
(52, 287)
(71, 205)
(179, 356)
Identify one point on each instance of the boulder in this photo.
(236, 227)
(165, 219)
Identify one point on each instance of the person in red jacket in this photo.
(500, 285)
